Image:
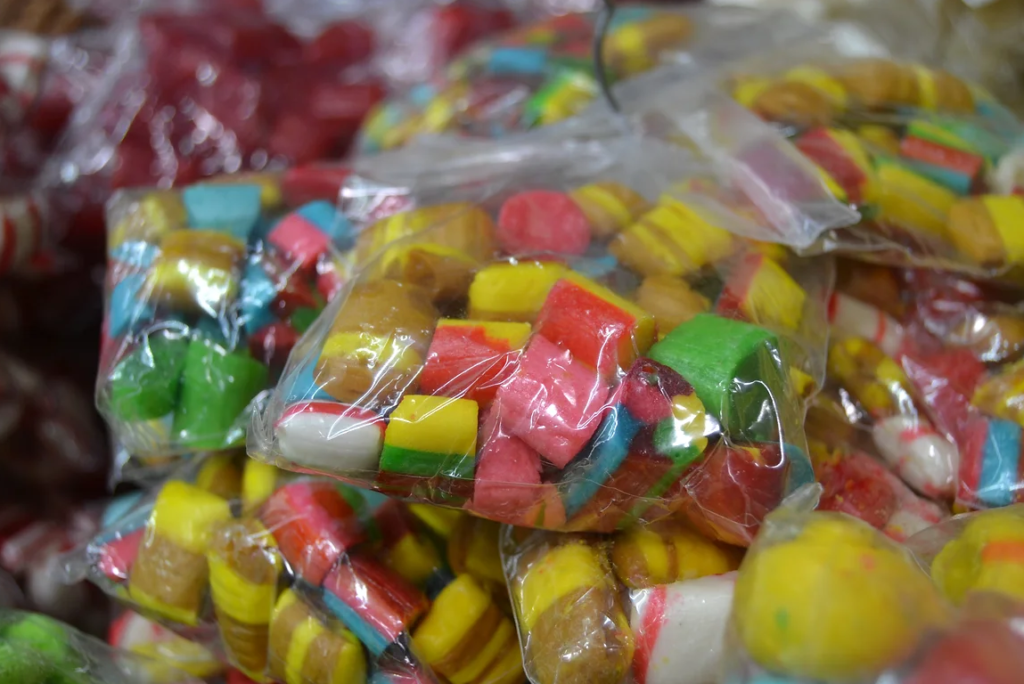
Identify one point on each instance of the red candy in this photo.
(273, 343)
(542, 221)
(313, 526)
(648, 389)
(507, 473)
(853, 486)
(977, 652)
(380, 596)
(463, 361)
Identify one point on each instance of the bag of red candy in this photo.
(208, 290)
(560, 341)
(269, 562)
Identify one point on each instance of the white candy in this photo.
(856, 318)
(331, 437)
(680, 629)
(921, 456)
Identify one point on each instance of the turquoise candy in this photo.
(736, 370)
(231, 209)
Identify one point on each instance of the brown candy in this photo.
(795, 103)
(877, 83)
(974, 233)
(670, 300)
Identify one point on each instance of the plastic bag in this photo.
(262, 559)
(461, 369)
(208, 290)
(912, 148)
(34, 648)
(541, 74)
(823, 597)
(646, 605)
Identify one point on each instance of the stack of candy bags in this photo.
(429, 359)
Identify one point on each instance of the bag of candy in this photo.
(544, 73)
(823, 597)
(649, 604)
(34, 648)
(208, 289)
(270, 562)
(912, 148)
(551, 343)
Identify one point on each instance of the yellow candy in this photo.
(159, 212)
(987, 556)
(838, 601)
(668, 552)
(512, 292)
(912, 201)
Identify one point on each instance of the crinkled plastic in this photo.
(550, 342)
(646, 605)
(308, 580)
(208, 290)
(544, 73)
(34, 648)
(912, 148)
(823, 597)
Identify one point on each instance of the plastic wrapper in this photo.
(170, 653)
(208, 290)
(269, 563)
(544, 73)
(199, 89)
(914, 149)
(645, 605)
(823, 597)
(552, 344)
(34, 648)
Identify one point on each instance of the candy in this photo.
(307, 233)
(668, 552)
(308, 433)
(304, 648)
(670, 300)
(464, 637)
(196, 270)
(584, 477)
(914, 203)
(128, 307)
(372, 601)
(471, 359)
(698, 351)
(671, 239)
(508, 473)
(313, 526)
(763, 293)
(634, 46)
(156, 214)
(856, 318)
(987, 556)
(608, 206)
(512, 292)
(431, 436)
(999, 395)
(573, 627)
(229, 208)
(923, 458)
(843, 157)
(957, 170)
(376, 344)
(680, 630)
(408, 551)
(244, 569)
(145, 385)
(170, 573)
(988, 651)
(232, 377)
(595, 325)
(540, 221)
(851, 602)
(552, 402)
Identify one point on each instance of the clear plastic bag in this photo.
(912, 148)
(208, 290)
(34, 648)
(267, 561)
(511, 365)
(823, 597)
(646, 605)
(542, 74)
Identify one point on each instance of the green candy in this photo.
(22, 665)
(47, 637)
(144, 386)
(736, 370)
(217, 386)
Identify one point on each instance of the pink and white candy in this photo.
(923, 458)
(329, 436)
(856, 318)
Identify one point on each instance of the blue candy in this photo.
(119, 508)
(607, 450)
(305, 388)
(231, 209)
(135, 253)
(127, 307)
(324, 216)
(1000, 463)
(258, 293)
(800, 470)
(374, 641)
(518, 60)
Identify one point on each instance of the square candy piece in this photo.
(552, 402)
(512, 292)
(471, 358)
(430, 436)
(732, 367)
(332, 437)
(597, 326)
(761, 291)
(196, 270)
(231, 209)
(301, 241)
(508, 474)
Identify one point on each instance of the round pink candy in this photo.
(542, 221)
